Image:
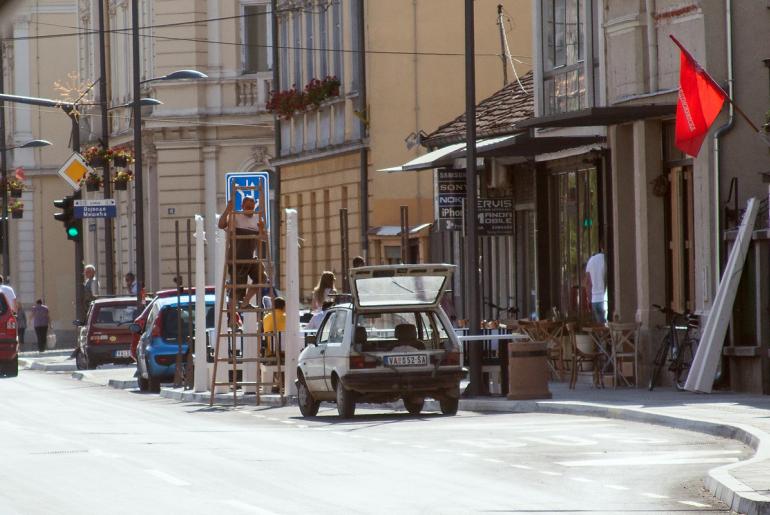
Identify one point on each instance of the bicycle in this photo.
(678, 353)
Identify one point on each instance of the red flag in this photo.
(700, 100)
(20, 174)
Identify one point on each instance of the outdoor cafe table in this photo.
(494, 350)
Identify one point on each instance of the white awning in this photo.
(444, 156)
(427, 161)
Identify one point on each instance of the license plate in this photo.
(121, 354)
(407, 360)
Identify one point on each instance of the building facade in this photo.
(400, 67)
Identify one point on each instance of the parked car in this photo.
(158, 344)
(105, 337)
(141, 320)
(393, 341)
(9, 343)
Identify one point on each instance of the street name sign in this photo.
(259, 180)
(106, 208)
(73, 170)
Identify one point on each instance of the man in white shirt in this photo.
(596, 280)
(10, 295)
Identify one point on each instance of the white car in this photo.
(392, 342)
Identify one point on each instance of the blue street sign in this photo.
(259, 179)
(95, 208)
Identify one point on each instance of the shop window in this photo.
(392, 254)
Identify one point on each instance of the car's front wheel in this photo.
(308, 406)
(346, 404)
(413, 406)
(449, 405)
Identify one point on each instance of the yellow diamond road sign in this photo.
(74, 170)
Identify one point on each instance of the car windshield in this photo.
(114, 316)
(398, 290)
(171, 320)
(394, 331)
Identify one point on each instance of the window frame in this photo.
(268, 16)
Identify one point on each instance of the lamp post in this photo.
(137, 109)
(35, 143)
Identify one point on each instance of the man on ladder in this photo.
(246, 223)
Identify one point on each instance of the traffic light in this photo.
(72, 225)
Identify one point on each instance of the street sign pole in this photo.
(79, 311)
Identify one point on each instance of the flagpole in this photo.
(714, 83)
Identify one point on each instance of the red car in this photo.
(141, 320)
(9, 344)
(106, 336)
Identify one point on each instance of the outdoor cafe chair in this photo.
(624, 338)
(581, 358)
(552, 332)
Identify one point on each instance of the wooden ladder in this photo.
(229, 310)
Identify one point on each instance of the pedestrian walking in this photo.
(21, 322)
(323, 291)
(595, 283)
(40, 321)
(10, 295)
(90, 287)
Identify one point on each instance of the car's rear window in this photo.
(171, 322)
(114, 316)
(386, 331)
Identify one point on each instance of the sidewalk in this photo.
(744, 486)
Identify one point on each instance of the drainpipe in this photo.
(724, 129)
(652, 46)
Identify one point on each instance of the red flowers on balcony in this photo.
(287, 103)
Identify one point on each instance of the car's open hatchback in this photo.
(378, 287)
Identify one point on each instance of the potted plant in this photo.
(122, 157)
(121, 179)
(93, 181)
(15, 187)
(96, 156)
(318, 91)
(16, 208)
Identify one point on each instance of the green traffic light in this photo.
(73, 232)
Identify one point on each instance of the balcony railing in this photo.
(318, 129)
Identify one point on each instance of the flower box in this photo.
(120, 161)
(121, 185)
(15, 193)
(19, 213)
(16, 209)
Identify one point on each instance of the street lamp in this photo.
(35, 143)
(138, 179)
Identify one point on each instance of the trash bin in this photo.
(528, 371)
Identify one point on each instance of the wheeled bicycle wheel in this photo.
(681, 366)
(659, 361)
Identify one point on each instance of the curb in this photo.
(739, 496)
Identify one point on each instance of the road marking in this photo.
(374, 439)
(249, 507)
(549, 473)
(342, 433)
(489, 443)
(617, 487)
(668, 458)
(168, 478)
(442, 450)
(694, 504)
(257, 415)
(396, 442)
(302, 426)
(561, 440)
(274, 419)
(493, 460)
(654, 496)
(288, 422)
(419, 447)
(582, 479)
(522, 467)
(469, 455)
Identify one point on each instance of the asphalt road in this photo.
(73, 447)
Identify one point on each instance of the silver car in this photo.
(393, 341)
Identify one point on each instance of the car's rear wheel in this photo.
(413, 406)
(449, 405)
(80, 360)
(346, 404)
(144, 384)
(12, 369)
(308, 406)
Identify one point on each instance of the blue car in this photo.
(158, 346)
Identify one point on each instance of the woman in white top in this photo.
(323, 291)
